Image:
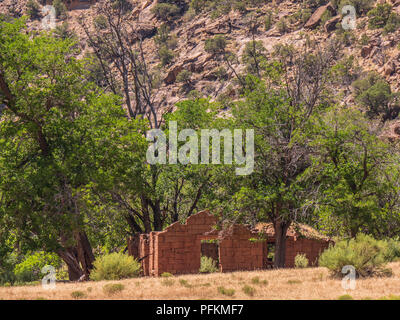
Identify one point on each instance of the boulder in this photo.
(396, 129)
(315, 19)
(172, 74)
(365, 51)
(330, 25)
(389, 68)
(143, 30)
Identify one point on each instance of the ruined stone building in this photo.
(178, 248)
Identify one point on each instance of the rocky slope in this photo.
(372, 49)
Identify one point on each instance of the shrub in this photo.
(250, 291)
(78, 294)
(391, 297)
(256, 280)
(61, 9)
(100, 22)
(31, 268)
(345, 297)
(112, 288)
(185, 283)
(208, 265)
(374, 92)
(282, 26)
(392, 252)
(166, 56)
(115, 266)
(361, 6)
(301, 261)
(268, 21)
(226, 292)
(63, 32)
(295, 281)
(165, 11)
(254, 56)
(215, 45)
(33, 9)
(379, 16)
(392, 23)
(167, 282)
(166, 275)
(364, 253)
(184, 76)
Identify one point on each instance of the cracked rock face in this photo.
(377, 52)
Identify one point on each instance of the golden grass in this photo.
(299, 284)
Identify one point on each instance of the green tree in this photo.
(352, 166)
(278, 190)
(57, 131)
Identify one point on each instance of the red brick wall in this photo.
(177, 249)
(238, 253)
(312, 248)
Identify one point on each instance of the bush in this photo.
(250, 291)
(374, 92)
(256, 280)
(166, 56)
(392, 252)
(282, 26)
(361, 6)
(392, 23)
(254, 57)
(31, 268)
(33, 9)
(379, 16)
(167, 282)
(364, 253)
(208, 265)
(301, 261)
(268, 21)
(167, 275)
(115, 266)
(345, 297)
(185, 283)
(78, 294)
(166, 11)
(112, 288)
(185, 76)
(226, 292)
(61, 9)
(100, 22)
(215, 45)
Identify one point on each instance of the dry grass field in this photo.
(288, 284)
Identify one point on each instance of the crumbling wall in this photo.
(177, 249)
(238, 252)
(312, 248)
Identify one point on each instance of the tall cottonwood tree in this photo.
(279, 191)
(57, 130)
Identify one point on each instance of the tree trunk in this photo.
(85, 253)
(79, 259)
(280, 228)
(70, 257)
